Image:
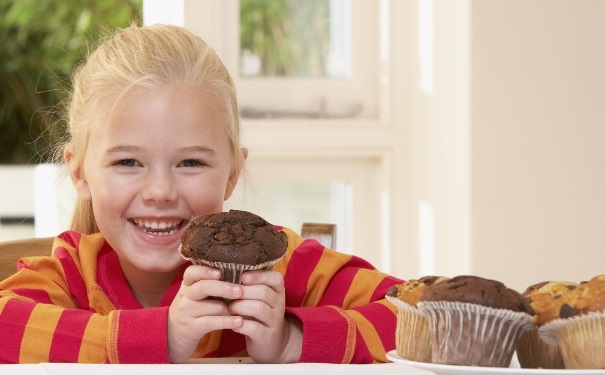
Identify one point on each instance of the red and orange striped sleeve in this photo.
(53, 310)
(340, 300)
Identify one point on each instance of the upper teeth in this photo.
(157, 224)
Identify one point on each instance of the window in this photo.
(320, 140)
(310, 59)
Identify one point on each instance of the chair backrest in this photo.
(324, 233)
(12, 251)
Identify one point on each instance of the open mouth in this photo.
(158, 227)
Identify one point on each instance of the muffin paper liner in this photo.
(412, 336)
(473, 335)
(581, 340)
(232, 272)
(534, 352)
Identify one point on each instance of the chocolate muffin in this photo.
(474, 321)
(234, 241)
(477, 290)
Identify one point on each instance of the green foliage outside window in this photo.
(42, 41)
(291, 37)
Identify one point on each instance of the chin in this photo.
(161, 268)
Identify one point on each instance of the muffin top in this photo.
(239, 237)
(598, 277)
(544, 298)
(410, 290)
(585, 298)
(477, 290)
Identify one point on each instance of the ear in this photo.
(77, 176)
(234, 176)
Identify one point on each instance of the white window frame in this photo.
(217, 21)
(324, 148)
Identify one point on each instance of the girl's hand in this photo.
(191, 315)
(270, 337)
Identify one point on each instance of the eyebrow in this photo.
(201, 149)
(124, 148)
(118, 149)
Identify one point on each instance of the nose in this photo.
(159, 187)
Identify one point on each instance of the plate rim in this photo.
(439, 368)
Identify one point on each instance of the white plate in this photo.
(476, 370)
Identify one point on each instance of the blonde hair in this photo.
(143, 57)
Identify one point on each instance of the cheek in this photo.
(207, 200)
(109, 199)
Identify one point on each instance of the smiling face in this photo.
(162, 160)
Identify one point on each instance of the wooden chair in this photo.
(324, 233)
(12, 251)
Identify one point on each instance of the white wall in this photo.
(16, 201)
(509, 148)
(538, 139)
(434, 147)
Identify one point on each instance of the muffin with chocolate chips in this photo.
(544, 298)
(233, 241)
(474, 321)
(412, 332)
(579, 329)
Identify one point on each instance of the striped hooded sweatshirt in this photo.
(77, 306)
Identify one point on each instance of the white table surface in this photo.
(211, 369)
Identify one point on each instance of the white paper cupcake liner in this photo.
(534, 352)
(412, 336)
(473, 335)
(581, 340)
(232, 272)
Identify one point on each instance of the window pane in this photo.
(291, 204)
(292, 38)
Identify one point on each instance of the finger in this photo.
(257, 310)
(195, 273)
(251, 328)
(213, 288)
(213, 323)
(272, 279)
(189, 309)
(263, 294)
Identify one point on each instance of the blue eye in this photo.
(191, 163)
(127, 162)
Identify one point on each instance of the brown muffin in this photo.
(232, 237)
(474, 321)
(586, 298)
(477, 290)
(580, 329)
(543, 297)
(598, 278)
(412, 332)
(234, 241)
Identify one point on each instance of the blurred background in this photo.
(441, 137)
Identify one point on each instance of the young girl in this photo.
(153, 143)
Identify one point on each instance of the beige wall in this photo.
(538, 139)
(509, 149)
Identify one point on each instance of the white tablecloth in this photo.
(211, 369)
